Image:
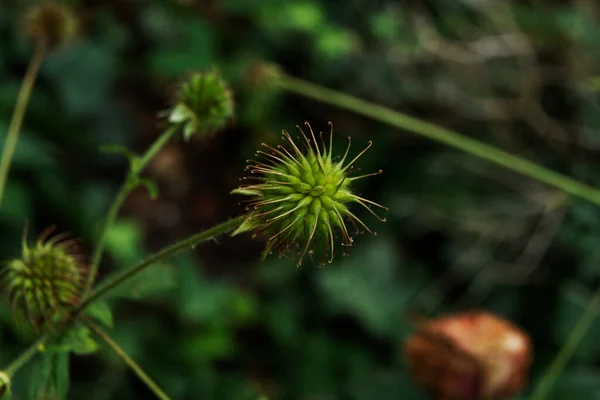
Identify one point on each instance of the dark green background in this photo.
(216, 323)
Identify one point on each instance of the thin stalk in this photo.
(544, 387)
(144, 377)
(24, 357)
(442, 135)
(123, 276)
(16, 122)
(169, 251)
(111, 216)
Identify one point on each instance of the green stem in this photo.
(123, 276)
(190, 242)
(582, 326)
(19, 113)
(24, 357)
(439, 134)
(144, 377)
(135, 169)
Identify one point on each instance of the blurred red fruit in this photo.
(469, 356)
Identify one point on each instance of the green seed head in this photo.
(203, 104)
(47, 281)
(52, 22)
(301, 199)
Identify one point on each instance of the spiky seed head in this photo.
(203, 104)
(301, 199)
(52, 22)
(47, 281)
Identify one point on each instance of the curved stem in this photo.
(111, 216)
(24, 357)
(144, 377)
(19, 113)
(190, 242)
(439, 134)
(582, 326)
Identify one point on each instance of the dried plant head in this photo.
(469, 356)
(52, 22)
(301, 198)
(203, 104)
(47, 281)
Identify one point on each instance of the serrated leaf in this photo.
(101, 312)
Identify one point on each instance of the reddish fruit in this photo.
(469, 356)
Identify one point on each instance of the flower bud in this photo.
(52, 22)
(47, 281)
(469, 356)
(301, 198)
(203, 104)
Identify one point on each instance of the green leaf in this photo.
(101, 312)
(577, 383)
(249, 224)
(149, 184)
(155, 279)
(50, 376)
(372, 286)
(179, 114)
(78, 340)
(572, 305)
(117, 149)
(124, 242)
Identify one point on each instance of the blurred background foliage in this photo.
(216, 323)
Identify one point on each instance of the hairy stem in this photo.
(19, 113)
(144, 377)
(178, 247)
(443, 135)
(544, 387)
(135, 169)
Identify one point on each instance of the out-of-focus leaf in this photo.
(31, 152)
(50, 376)
(155, 279)
(571, 306)
(577, 383)
(78, 340)
(101, 312)
(373, 286)
(123, 242)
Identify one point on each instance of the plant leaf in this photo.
(101, 312)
